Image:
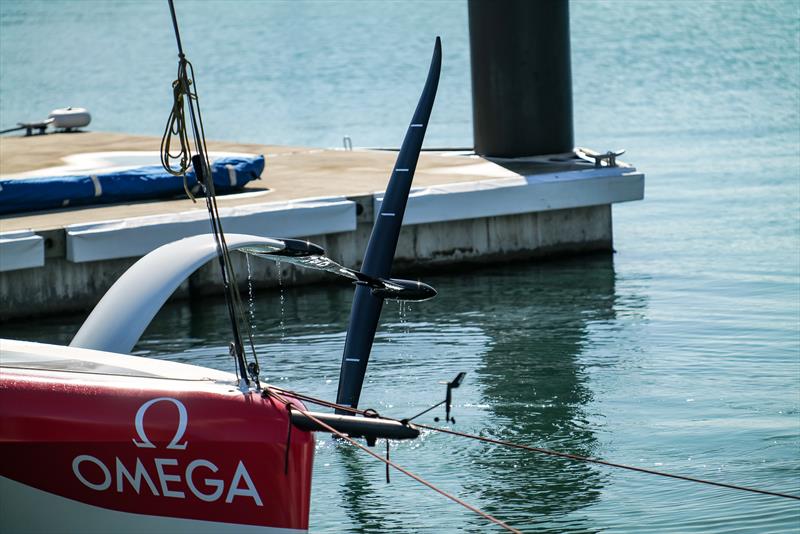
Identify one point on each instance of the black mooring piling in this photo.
(521, 77)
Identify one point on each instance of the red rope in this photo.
(550, 452)
(610, 464)
(391, 463)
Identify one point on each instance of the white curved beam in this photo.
(122, 315)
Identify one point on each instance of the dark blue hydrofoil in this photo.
(378, 258)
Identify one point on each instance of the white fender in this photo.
(122, 315)
(70, 117)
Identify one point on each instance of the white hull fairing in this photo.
(27, 509)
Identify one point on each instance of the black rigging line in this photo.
(176, 125)
(177, 31)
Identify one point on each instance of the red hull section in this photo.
(188, 449)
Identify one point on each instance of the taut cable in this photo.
(550, 452)
(272, 392)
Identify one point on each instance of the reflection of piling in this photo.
(521, 77)
(539, 366)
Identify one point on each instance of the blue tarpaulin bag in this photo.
(18, 195)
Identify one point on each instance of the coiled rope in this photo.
(550, 452)
(176, 125)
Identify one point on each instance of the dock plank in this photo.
(291, 173)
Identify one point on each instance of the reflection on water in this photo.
(537, 390)
(358, 492)
(530, 381)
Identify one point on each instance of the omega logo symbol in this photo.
(178, 478)
(183, 421)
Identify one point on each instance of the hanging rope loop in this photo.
(176, 126)
(288, 439)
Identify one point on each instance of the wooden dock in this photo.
(291, 173)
